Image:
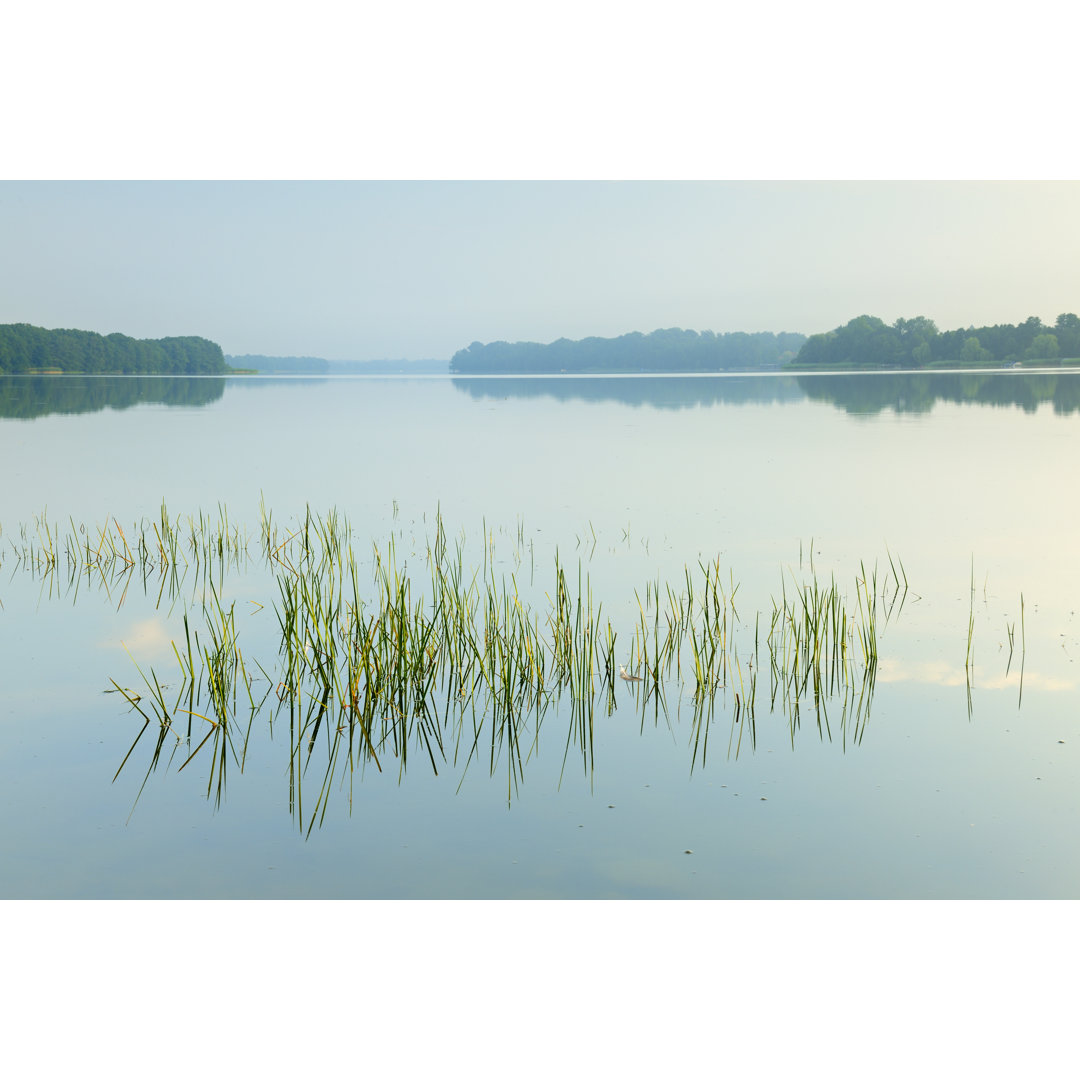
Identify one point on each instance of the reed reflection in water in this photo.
(453, 665)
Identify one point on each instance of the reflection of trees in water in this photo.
(918, 393)
(25, 397)
(662, 392)
(271, 382)
(865, 392)
(30, 396)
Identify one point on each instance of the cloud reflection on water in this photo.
(942, 673)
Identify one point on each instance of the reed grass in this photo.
(378, 662)
(1023, 653)
(971, 620)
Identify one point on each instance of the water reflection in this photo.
(27, 397)
(660, 392)
(32, 396)
(860, 393)
(919, 393)
(330, 748)
(446, 667)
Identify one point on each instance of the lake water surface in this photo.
(950, 770)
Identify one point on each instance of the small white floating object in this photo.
(623, 674)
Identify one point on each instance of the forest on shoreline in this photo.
(867, 343)
(26, 350)
(316, 365)
(662, 351)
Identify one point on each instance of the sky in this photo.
(385, 182)
(360, 270)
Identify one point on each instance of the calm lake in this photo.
(938, 509)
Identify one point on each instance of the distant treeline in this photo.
(280, 365)
(868, 343)
(661, 351)
(25, 348)
(32, 396)
(314, 365)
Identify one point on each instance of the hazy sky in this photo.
(763, 106)
(373, 269)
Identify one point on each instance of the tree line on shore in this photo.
(279, 365)
(869, 343)
(26, 349)
(864, 343)
(315, 365)
(672, 350)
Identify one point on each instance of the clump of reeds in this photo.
(159, 553)
(454, 664)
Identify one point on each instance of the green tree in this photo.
(1067, 331)
(25, 348)
(913, 332)
(974, 354)
(1044, 347)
